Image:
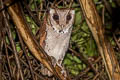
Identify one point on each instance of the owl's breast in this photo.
(56, 45)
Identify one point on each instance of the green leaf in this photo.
(75, 4)
(14, 34)
(77, 18)
(33, 29)
(100, 7)
(39, 1)
(33, 6)
(7, 40)
(113, 5)
(84, 66)
(91, 47)
(29, 54)
(70, 56)
(28, 19)
(76, 59)
(67, 62)
(18, 47)
(95, 1)
(90, 74)
(74, 37)
(74, 72)
(80, 66)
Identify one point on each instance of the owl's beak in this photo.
(62, 26)
(60, 30)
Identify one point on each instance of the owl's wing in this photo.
(43, 33)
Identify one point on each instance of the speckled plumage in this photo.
(55, 35)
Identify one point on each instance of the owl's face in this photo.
(61, 20)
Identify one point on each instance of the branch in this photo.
(96, 26)
(29, 39)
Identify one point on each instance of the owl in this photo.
(55, 35)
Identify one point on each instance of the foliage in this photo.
(81, 39)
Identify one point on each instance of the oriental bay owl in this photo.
(55, 34)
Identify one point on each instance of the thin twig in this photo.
(116, 41)
(83, 59)
(24, 50)
(87, 69)
(13, 46)
(37, 21)
(108, 7)
(8, 60)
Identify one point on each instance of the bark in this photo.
(29, 39)
(105, 49)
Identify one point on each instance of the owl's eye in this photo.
(68, 17)
(55, 17)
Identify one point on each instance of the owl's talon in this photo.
(46, 72)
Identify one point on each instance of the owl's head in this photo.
(61, 20)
